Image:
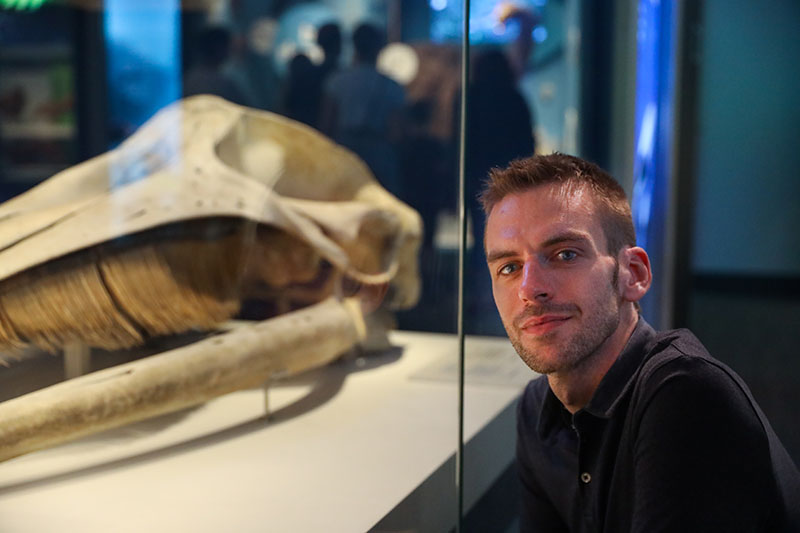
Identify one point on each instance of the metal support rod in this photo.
(77, 360)
(462, 248)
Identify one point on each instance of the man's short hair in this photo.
(213, 45)
(368, 41)
(569, 171)
(329, 38)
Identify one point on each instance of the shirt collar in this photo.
(622, 373)
(613, 386)
(552, 416)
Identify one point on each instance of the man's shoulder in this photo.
(680, 352)
(679, 370)
(390, 87)
(391, 82)
(680, 341)
(694, 423)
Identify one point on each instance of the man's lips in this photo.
(538, 325)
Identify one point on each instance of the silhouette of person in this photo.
(362, 109)
(207, 75)
(499, 130)
(424, 162)
(499, 122)
(302, 92)
(329, 39)
(302, 95)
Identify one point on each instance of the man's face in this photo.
(554, 283)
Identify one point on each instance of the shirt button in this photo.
(586, 477)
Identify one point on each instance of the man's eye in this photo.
(567, 255)
(510, 268)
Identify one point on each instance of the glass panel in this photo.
(253, 286)
(522, 98)
(738, 211)
(653, 150)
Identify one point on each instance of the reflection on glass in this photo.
(521, 100)
(273, 223)
(142, 66)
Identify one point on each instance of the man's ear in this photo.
(635, 276)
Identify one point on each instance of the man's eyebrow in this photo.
(568, 236)
(560, 238)
(500, 254)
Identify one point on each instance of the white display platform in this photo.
(344, 446)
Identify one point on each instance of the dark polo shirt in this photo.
(672, 440)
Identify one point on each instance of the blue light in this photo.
(447, 21)
(291, 38)
(539, 34)
(652, 151)
(143, 59)
(438, 5)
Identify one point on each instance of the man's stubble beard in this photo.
(579, 348)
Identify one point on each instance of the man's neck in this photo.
(575, 387)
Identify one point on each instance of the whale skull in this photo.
(207, 205)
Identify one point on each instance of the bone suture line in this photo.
(242, 358)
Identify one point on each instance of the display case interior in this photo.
(37, 121)
(244, 310)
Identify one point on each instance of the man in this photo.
(629, 429)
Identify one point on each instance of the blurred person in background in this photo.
(207, 75)
(302, 94)
(499, 129)
(363, 109)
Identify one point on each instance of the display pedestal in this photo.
(358, 445)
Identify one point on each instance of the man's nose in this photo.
(534, 286)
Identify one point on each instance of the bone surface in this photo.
(245, 357)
